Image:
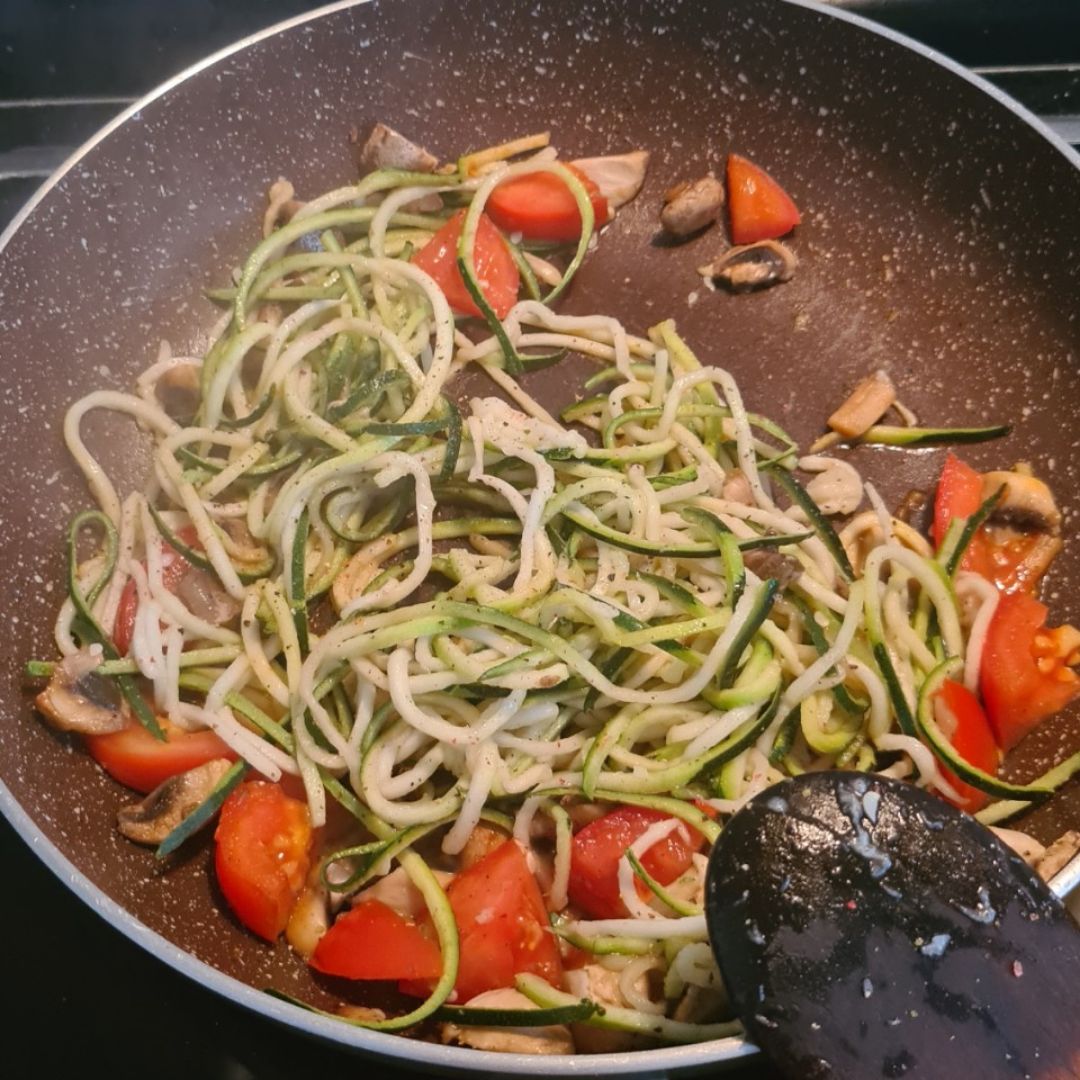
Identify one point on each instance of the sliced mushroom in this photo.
(203, 596)
(482, 841)
(601, 984)
(366, 1014)
(582, 812)
(786, 569)
(752, 266)
(618, 176)
(389, 149)
(179, 390)
(271, 314)
(692, 205)
(1058, 854)
(152, 819)
(701, 1006)
(310, 916)
(737, 488)
(1026, 512)
(76, 699)
(552, 1039)
(913, 504)
(864, 406)
(280, 205)
(397, 892)
(1027, 504)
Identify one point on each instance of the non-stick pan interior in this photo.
(935, 244)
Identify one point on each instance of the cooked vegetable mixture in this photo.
(466, 689)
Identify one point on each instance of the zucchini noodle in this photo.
(446, 613)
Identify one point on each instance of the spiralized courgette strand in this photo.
(437, 609)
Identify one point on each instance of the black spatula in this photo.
(866, 929)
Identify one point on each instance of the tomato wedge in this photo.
(959, 495)
(540, 206)
(961, 717)
(759, 207)
(1027, 671)
(135, 758)
(372, 941)
(496, 270)
(262, 854)
(502, 925)
(173, 568)
(598, 847)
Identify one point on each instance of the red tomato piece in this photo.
(135, 758)
(959, 495)
(961, 717)
(262, 854)
(1026, 673)
(502, 926)
(173, 568)
(495, 268)
(541, 207)
(598, 847)
(372, 941)
(760, 208)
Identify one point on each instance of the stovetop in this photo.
(77, 995)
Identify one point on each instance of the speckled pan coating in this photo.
(936, 244)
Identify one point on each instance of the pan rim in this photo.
(389, 1046)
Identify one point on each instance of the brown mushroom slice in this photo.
(152, 819)
(77, 699)
(1027, 512)
(389, 149)
(179, 391)
(365, 1014)
(398, 893)
(737, 488)
(699, 1005)
(752, 266)
(864, 406)
(310, 916)
(482, 841)
(201, 594)
(785, 569)
(692, 205)
(281, 205)
(552, 1039)
(1027, 503)
(912, 505)
(1055, 857)
(601, 984)
(618, 176)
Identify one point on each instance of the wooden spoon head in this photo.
(865, 928)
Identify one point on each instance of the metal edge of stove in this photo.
(659, 1062)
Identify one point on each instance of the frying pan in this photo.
(937, 243)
